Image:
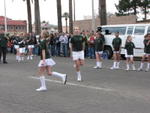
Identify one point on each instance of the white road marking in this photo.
(78, 85)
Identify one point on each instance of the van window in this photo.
(148, 31)
(139, 30)
(112, 30)
(130, 30)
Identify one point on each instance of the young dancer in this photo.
(46, 63)
(146, 53)
(99, 47)
(22, 45)
(117, 46)
(16, 47)
(77, 51)
(129, 46)
(30, 43)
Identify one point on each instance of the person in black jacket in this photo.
(3, 47)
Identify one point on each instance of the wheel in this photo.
(109, 52)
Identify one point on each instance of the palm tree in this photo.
(102, 12)
(70, 17)
(59, 16)
(66, 16)
(37, 17)
(29, 16)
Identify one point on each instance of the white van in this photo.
(137, 31)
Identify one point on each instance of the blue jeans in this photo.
(91, 52)
(57, 48)
(64, 49)
(53, 50)
(36, 50)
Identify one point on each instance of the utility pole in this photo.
(93, 17)
(74, 6)
(5, 21)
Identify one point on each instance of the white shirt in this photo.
(63, 39)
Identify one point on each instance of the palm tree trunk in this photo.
(37, 17)
(29, 16)
(59, 16)
(135, 12)
(102, 12)
(145, 12)
(70, 17)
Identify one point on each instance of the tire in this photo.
(109, 52)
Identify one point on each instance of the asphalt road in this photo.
(102, 91)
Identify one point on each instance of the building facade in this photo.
(13, 26)
(111, 20)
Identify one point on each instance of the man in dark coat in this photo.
(3, 47)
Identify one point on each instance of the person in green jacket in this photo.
(99, 47)
(77, 50)
(129, 47)
(148, 52)
(146, 56)
(117, 47)
(3, 47)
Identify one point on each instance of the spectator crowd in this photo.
(58, 43)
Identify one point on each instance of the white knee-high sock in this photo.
(31, 57)
(98, 63)
(128, 66)
(16, 57)
(19, 58)
(22, 58)
(141, 65)
(43, 82)
(60, 75)
(133, 66)
(115, 64)
(118, 64)
(79, 75)
(148, 65)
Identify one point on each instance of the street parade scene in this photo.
(62, 56)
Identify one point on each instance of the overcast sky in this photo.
(17, 9)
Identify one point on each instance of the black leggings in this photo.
(3, 50)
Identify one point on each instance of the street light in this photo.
(5, 21)
(66, 16)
